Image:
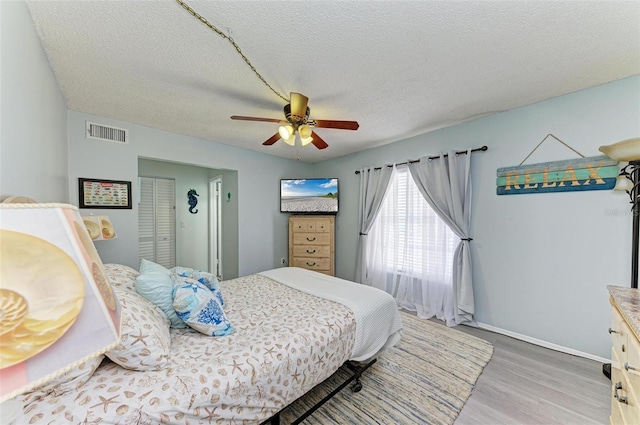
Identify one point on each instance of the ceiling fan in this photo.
(297, 121)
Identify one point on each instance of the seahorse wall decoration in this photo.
(193, 201)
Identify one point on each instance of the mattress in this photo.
(378, 324)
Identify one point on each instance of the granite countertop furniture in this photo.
(628, 301)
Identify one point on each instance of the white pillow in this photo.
(199, 308)
(145, 339)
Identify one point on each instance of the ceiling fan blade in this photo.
(238, 117)
(342, 125)
(317, 141)
(271, 140)
(298, 106)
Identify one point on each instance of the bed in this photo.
(293, 329)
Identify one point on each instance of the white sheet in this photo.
(378, 323)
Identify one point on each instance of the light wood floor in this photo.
(527, 384)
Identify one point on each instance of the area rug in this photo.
(425, 379)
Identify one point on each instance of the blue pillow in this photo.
(207, 279)
(199, 308)
(155, 284)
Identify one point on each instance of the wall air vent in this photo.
(107, 133)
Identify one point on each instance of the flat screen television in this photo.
(309, 196)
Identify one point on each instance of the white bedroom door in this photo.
(157, 221)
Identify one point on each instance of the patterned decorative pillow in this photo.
(122, 276)
(145, 340)
(155, 284)
(199, 307)
(207, 279)
(69, 381)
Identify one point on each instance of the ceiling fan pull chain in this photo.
(233, 43)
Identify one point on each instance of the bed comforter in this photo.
(286, 342)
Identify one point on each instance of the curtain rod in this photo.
(481, 149)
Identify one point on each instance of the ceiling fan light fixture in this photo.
(305, 140)
(305, 131)
(291, 141)
(286, 132)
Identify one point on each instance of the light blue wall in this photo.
(262, 230)
(541, 262)
(33, 126)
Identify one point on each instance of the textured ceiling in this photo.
(399, 68)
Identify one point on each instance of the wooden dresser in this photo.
(311, 243)
(625, 355)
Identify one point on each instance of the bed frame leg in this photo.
(275, 420)
(357, 386)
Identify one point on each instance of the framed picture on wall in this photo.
(98, 193)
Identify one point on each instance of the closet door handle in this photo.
(611, 331)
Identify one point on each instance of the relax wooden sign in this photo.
(594, 173)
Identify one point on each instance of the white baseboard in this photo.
(542, 343)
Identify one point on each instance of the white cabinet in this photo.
(625, 356)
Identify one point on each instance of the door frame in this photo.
(215, 226)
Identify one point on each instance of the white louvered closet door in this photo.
(157, 221)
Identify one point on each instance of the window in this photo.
(411, 240)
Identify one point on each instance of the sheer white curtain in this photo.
(373, 187)
(410, 251)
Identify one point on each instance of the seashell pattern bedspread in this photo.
(285, 343)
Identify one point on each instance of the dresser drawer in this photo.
(311, 239)
(632, 350)
(323, 225)
(631, 370)
(624, 408)
(303, 226)
(312, 225)
(311, 251)
(619, 335)
(316, 264)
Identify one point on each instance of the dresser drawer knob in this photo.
(311, 265)
(311, 239)
(611, 331)
(627, 367)
(620, 398)
(311, 251)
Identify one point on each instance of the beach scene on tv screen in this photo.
(309, 195)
